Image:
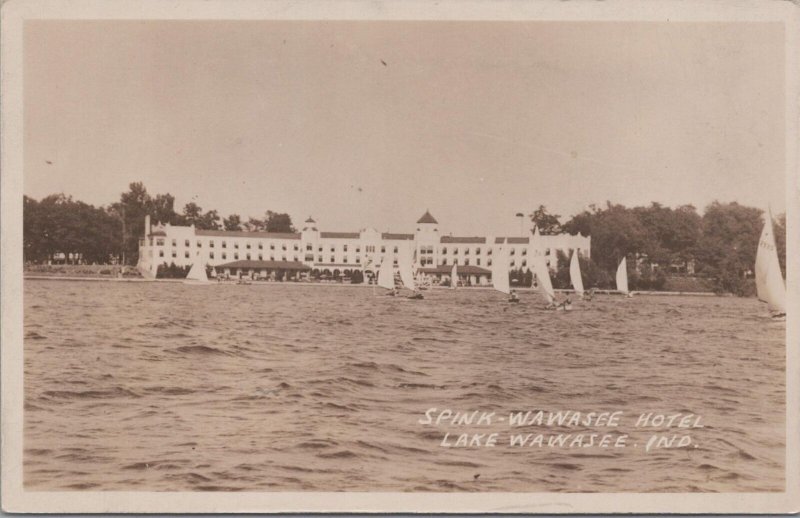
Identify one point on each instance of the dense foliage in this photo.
(58, 225)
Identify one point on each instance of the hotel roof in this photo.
(464, 240)
(427, 218)
(390, 236)
(339, 235)
(272, 265)
(242, 233)
(512, 240)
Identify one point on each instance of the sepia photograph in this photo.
(411, 250)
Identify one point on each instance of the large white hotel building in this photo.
(313, 253)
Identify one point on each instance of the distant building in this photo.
(332, 255)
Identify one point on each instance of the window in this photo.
(333, 248)
(296, 248)
(358, 259)
(455, 251)
(478, 261)
(344, 259)
(260, 257)
(248, 246)
(478, 251)
(236, 245)
(383, 249)
(333, 260)
(466, 251)
(236, 255)
(211, 244)
(211, 255)
(344, 248)
(444, 250)
(224, 245)
(224, 255)
(466, 261)
(489, 252)
(489, 262)
(370, 248)
(358, 249)
(247, 256)
(174, 242)
(272, 246)
(395, 249)
(309, 258)
(283, 257)
(199, 244)
(512, 263)
(185, 243)
(524, 262)
(161, 253)
(319, 259)
(186, 254)
(160, 241)
(309, 247)
(283, 247)
(444, 261)
(547, 252)
(513, 250)
(394, 262)
(455, 260)
(271, 257)
(174, 253)
(524, 251)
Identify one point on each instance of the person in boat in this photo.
(393, 293)
(416, 295)
(513, 297)
(589, 295)
(566, 305)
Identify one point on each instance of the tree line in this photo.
(58, 228)
(718, 245)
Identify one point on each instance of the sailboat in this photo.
(454, 276)
(386, 275)
(406, 267)
(500, 280)
(575, 274)
(197, 275)
(769, 281)
(543, 281)
(622, 277)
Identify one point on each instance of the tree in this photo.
(278, 222)
(255, 225)
(726, 249)
(548, 224)
(232, 222)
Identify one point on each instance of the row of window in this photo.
(424, 250)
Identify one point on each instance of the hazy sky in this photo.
(370, 123)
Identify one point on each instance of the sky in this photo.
(368, 124)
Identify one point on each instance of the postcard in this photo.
(452, 257)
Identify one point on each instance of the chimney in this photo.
(147, 225)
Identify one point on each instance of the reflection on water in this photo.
(150, 386)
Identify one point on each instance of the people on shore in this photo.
(513, 297)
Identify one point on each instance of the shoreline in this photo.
(347, 285)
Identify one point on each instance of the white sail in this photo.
(622, 276)
(543, 281)
(386, 274)
(197, 273)
(500, 272)
(575, 273)
(405, 264)
(454, 276)
(769, 281)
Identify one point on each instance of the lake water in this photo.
(160, 386)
